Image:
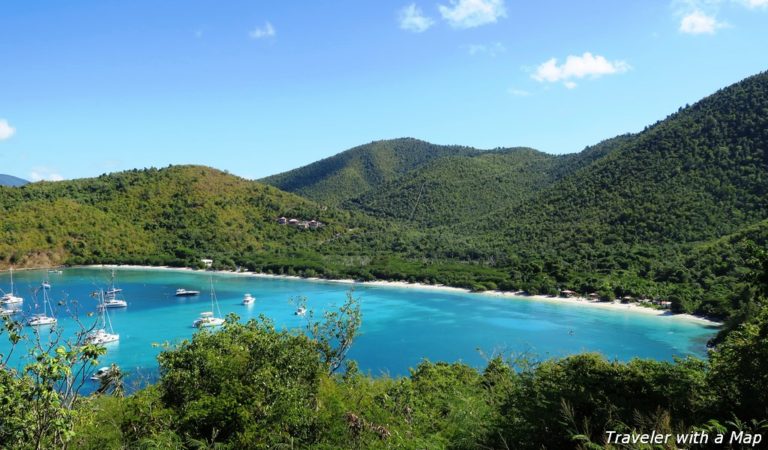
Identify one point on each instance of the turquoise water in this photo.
(401, 326)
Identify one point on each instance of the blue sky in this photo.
(259, 87)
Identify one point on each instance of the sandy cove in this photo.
(574, 301)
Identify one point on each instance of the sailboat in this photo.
(112, 288)
(9, 298)
(207, 318)
(102, 336)
(109, 299)
(38, 320)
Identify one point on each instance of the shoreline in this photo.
(574, 301)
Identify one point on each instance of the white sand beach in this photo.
(574, 301)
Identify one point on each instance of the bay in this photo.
(401, 326)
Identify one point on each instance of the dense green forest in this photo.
(361, 169)
(652, 214)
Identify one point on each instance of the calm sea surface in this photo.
(401, 326)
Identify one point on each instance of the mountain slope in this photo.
(454, 189)
(10, 180)
(361, 169)
(173, 215)
(458, 188)
(700, 174)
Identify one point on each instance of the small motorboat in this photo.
(186, 293)
(45, 285)
(300, 311)
(101, 373)
(248, 299)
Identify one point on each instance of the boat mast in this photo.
(105, 315)
(45, 303)
(214, 303)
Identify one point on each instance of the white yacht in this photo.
(208, 318)
(113, 302)
(101, 336)
(248, 299)
(42, 319)
(39, 320)
(101, 373)
(301, 311)
(9, 298)
(186, 293)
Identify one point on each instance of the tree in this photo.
(246, 384)
(336, 332)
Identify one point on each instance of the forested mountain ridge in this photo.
(455, 188)
(699, 174)
(358, 170)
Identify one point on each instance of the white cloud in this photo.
(491, 50)
(757, 3)
(6, 130)
(586, 65)
(45, 174)
(699, 23)
(472, 13)
(413, 19)
(266, 31)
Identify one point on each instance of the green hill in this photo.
(174, 215)
(699, 174)
(361, 169)
(10, 180)
(459, 188)
(453, 189)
